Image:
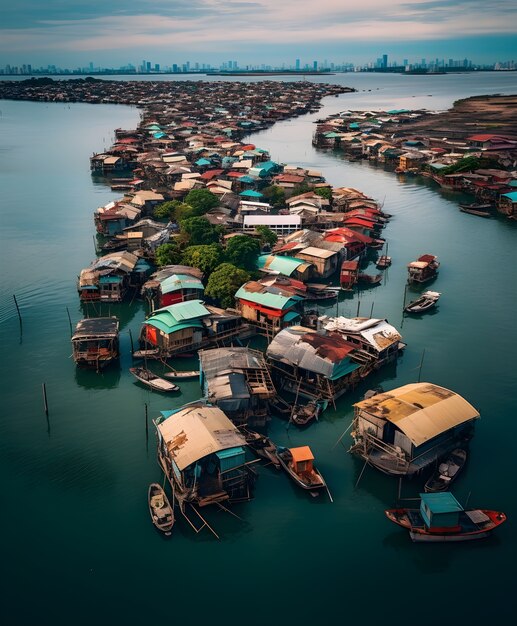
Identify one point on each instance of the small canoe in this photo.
(370, 279)
(426, 301)
(162, 513)
(152, 380)
(446, 472)
(262, 446)
(183, 375)
(305, 413)
(383, 262)
(146, 354)
(476, 210)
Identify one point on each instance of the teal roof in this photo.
(443, 502)
(266, 165)
(512, 183)
(159, 135)
(177, 316)
(247, 179)
(395, 111)
(202, 161)
(180, 281)
(342, 369)
(286, 265)
(250, 193)
(332, 135)
(437, 166)
(354, 125)
(512, 195)
(290, 316)
(272, 300)
(104, 280)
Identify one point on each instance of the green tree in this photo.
(165, 210)
(168, 254)
(206, 258)
(266, 235)
(202, 200)
(184, 211)
(198, 231)
(324, 192)
(243, 251)
(224, 282)
(301, 188)
(275, 195)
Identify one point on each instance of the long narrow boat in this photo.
(441, 518)
(152, 380)
(446, 472)
(304, 413)
(162, 513)
(426, 301)
(262, 446)
(370, 279)
(182, 375)
(297, 462)
(476, 209)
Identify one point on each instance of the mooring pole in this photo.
(358, 307)
(146, 424)
(18, 310)
(371, 310)
(421, 363)
(131, 339)
(45, 401)
(69, 321)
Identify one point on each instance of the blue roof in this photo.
(250, 193)
(203, 161)
(512, 195)
(443, 502)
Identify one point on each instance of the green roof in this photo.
(272, 300)
(250, 193)
(443, 502)
(286, 265)
(180, 281)
(177, 316)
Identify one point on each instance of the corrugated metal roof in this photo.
(284, 264)
(180, 281)
(196, 431)
(181, 315)
(420, 410)
(272, 300)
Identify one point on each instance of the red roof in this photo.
(209, 174)
(345, 235)
(234, 174)
(486, 137)
(289, 178)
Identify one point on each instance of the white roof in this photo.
(319, 253)
(197, 431)
(376, 332)
(280, 220)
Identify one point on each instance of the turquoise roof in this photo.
(180, 281)
(272, 300)
(250, 193)
(395, 111)
(290, 316)
(512, 183)
(177, 316)
(202, 161)
(512, 195)
(354, 125)
(159, 135)
(443, 502)
(247, 179)
(346, 366)
(332, 135)
(286, 265)
(266, 165)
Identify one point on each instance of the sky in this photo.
(109, 33)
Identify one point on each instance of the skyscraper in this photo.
(384, 60)
(297, 64)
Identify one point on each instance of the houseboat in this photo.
(173, 284)
(349, 274)
(313, 364)
(95, 342)
(203, 455)
(425, 268)
(403, 431)
(441, 518)
(237, 380)
(187, 326)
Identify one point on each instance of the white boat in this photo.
(426, 301)
(183, 375)
(152, 380)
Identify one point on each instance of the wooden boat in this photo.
(182, 375)
(481, 210)
(383, 262)
(483, 206)
(162, 513)
(146, 354)
(423, 269)
(426, 301)
(349, 274)
(297, 462)
(324, 294)
(280, 406)
(305, 413)
(262, 446)
(446, 472)
(152, 380)
(441, 518)
(370, 279)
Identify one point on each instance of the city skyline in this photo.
(257, 31)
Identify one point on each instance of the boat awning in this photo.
(421, 411)
(290, 316)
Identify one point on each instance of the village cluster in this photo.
(223, 243)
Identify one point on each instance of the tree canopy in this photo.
(275, 195)
(168, 254)
(324, 192)
(199, 231)
(206, 258)
(165, 210)
(243, 251)
(224, 282)
(201, 200)
(267, 236)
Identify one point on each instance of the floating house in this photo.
(95, 342)
(237, 380)
(377, 342)
(173, 284)
(405, 430)
(187, 326)
(114, 217)
(110, 277)
(325, 262)
(508, 204)
(425, 268)
(312, 363)
(288, 266)
(203, 455)
(349, 274)
(269, 307)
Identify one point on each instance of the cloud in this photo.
(213, 25)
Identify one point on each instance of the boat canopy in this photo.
(303, 453)
(421, 411)
(197, 431)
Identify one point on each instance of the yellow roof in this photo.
(197, 431)
(420, 410)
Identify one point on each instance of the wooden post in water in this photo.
(95, 244)
(371, 310)
(358, 307)
(18, 310)
(45, 401)
(405, 295)
(146, 425)
(421, 363)
(69, 321)
(131, 339)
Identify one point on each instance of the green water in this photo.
(78, 545)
